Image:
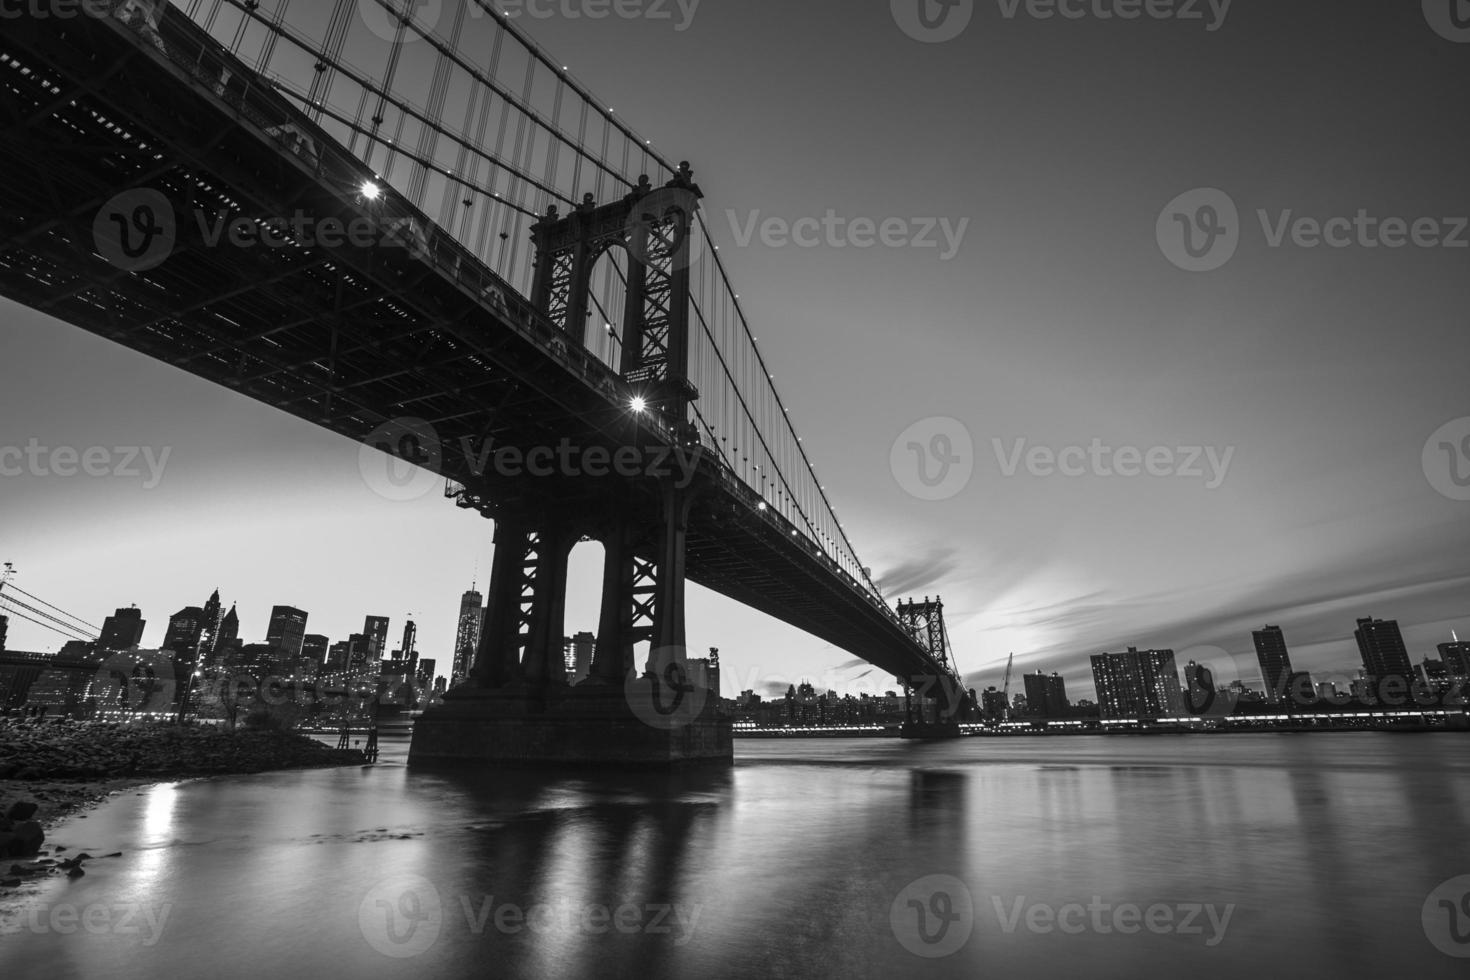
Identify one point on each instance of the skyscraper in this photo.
(314, 652)
(993, 705)
(466, 636)
(185, 629)
(580, 662)
(1384, 655)
(229, 628)
(210, 624)
(1046, 696)
(287, 631)
(1275, 661)
(1456, 657)
(410, 638)
(1199, 687)
(123, 630)
(375, 628)
(338, 656)
(359, 653)
(1139, 684)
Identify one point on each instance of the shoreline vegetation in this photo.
(53, 770)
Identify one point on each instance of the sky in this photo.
(1302, 390)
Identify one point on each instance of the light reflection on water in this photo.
(1325, 845)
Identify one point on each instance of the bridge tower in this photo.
(519, 683)
(943, 692)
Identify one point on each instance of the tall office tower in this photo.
(583, 646)
(1275, 661)
(714, 666)
(209, 627)
(123, 630)
(359, 654)
(1456, 657)
(697, 671)
(375, 628)
(466, 636)
(1384, 655)
(1199, 688)
(185, 629)
(338, 655)
(993, 704)
(1137, 684)
(410, 637)
(4, 627)
(287, 631)
(314, 652)
(229, 628)
(1198, 677)
(1046, 695)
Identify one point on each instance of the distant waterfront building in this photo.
(62, 687)
(1046, 695)
(359, 654)
(123, 630)
(4, 628)
(260, 660)
(584, 645)
(209, 629)
(993, 704)
(229, 631)
(1199, 688)
(1275, 661)
(375, 628)
(1384, 655)
(1138, 684)
(314, 649)
(1456, 657)
(425, 675)
(408, 650)
(1432, 671)
(466, 635)
(705, 671)
(287, 631)
(338, 656)
(17, 676)
(185, 632)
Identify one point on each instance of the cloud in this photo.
(919, 573)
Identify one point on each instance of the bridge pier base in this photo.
(929, 731)
(569, 727)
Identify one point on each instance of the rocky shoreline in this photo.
(50, 771)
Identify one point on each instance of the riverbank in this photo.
(65, 766)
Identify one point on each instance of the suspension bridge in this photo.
(428, 235)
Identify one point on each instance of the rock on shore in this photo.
(91, 750)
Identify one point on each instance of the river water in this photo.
(1244, 856)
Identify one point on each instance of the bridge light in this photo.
(371, 191)
(638, 404)
(761, 505)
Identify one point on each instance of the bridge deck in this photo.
(346, 336)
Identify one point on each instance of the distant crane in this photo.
(1005, 691)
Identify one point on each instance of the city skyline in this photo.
(1325, 512)
(1270, 647)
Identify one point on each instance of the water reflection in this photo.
(1322, 847)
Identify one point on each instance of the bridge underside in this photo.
(348, 336)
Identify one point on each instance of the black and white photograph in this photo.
(751, 489)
